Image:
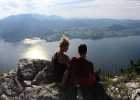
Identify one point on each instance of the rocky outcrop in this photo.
(18, 84)
(41, 92)
(28, 69)
(33, 80)
(120, 89)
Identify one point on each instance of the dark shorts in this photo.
(88, 92)
(70, 93)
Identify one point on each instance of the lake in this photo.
(109, 54)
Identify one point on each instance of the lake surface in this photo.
(109, 54)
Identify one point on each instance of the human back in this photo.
(82, 73)
(60, 65)
(81, 67)
(60, 60)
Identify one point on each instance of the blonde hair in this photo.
(64, 41)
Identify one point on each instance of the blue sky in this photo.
(116, 9)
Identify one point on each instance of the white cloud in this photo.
(13, 7)
(120, 9)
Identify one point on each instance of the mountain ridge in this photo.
(18, 27)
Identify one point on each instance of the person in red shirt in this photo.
(82, 73)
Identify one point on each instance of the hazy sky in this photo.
(118, 9)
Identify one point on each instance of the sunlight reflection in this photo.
(35, 50)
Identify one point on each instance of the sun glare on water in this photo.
(36, 53)
(35, 50)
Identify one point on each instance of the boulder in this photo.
(132, 85)
(27, 69)
(17, 83)
(42, 92)
(135, 94)
(44, 76)
(4, 97)
(11, 86)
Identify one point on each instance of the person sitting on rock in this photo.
(82, 73)
(60, 60)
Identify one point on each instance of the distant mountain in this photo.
(19, 27)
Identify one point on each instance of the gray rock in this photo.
(43, 92)
(28, 69)
(1, 88)
(125, 97)
(135, 94)
(44, 76)
(11, 86)
(40, 64)
(4, 97)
